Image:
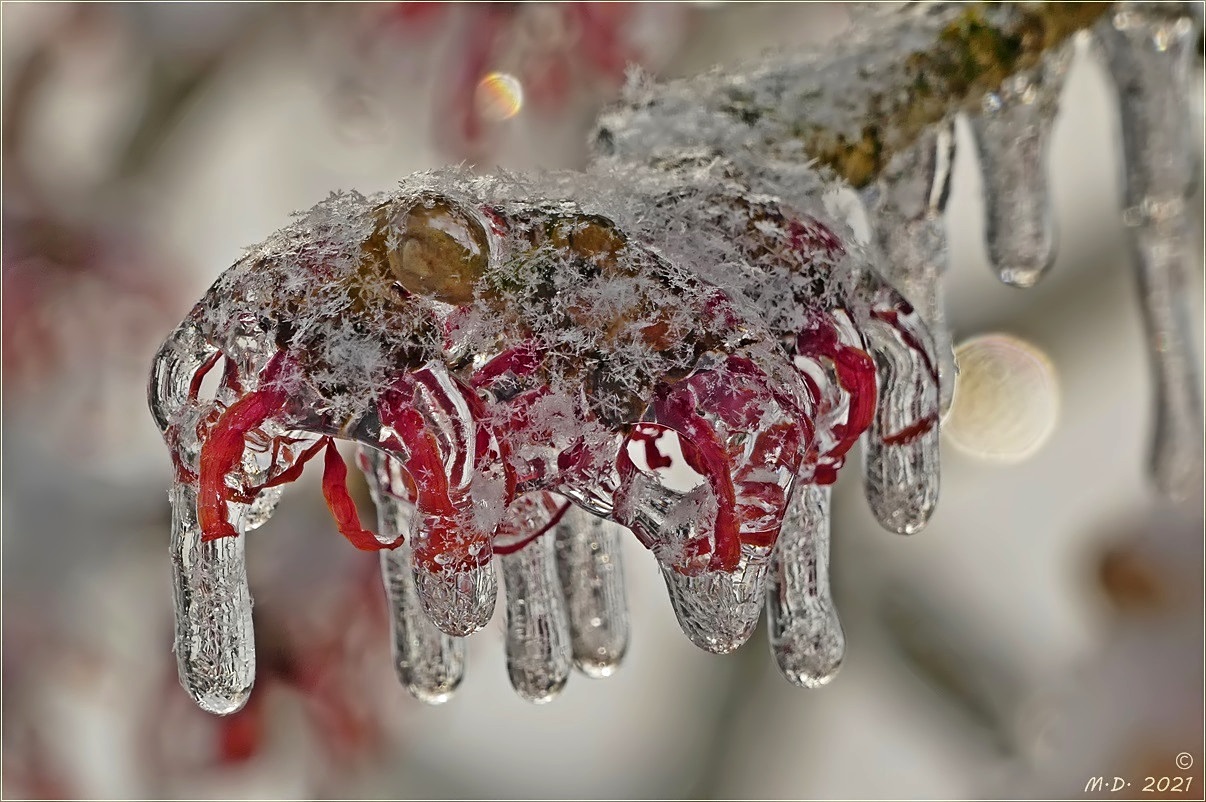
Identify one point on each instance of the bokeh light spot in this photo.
(1006, 399)
(499, 96)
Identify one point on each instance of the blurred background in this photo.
(1044, 629)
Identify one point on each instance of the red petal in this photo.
(343, 510)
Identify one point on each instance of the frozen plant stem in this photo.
(876, 108)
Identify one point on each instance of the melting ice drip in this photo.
(523, 363)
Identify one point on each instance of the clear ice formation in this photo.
(539, 653)
(429, 663)
(1012, 132)
(906, 206)
(592, 578)
(1149, 49)
(805, 635)
(681, 343)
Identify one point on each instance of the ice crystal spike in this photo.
(805, 634)
(429, 663)
(907, 207)
(1148, 49)
(215, 647)
(592, 578)
(539, 653)
(1012, 132)
(901, 458)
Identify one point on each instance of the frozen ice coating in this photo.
(539, 651)
(1149, 50)
(592, 579)
(900, 449)
(1012, 133)
(558, 353)
(214, 639)
(906, 206)
(805, 635)
(718, 610)
(429, 663)
(679, 343)
(215, 644)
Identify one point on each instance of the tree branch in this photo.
(855, 105)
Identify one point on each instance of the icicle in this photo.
(805, 634)
(718, 610)
(901, 457)
(1148, 49)
(215, 649)
(538, 647)
(1012, 132)
(429, 663)
(429, 416)
(588, 564)
(214, 642)
(906, 206)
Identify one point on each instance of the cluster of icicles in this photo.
(683, 346)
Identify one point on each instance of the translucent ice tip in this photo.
(901, 458)
(539, 655)
(805, 634)
(429, 663)
(1012, 133)
(718, 610)
(458, 601)
(215, 649)
(588, 564)
(908, 208)
(1149, 49)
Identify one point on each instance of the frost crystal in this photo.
(682, 342)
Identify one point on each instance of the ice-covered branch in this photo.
(852, 106)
